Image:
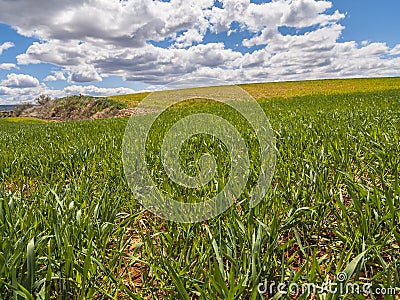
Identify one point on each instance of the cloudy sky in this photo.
(103, 47)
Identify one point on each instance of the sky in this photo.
(109, 47)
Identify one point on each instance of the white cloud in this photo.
(189, 37)
(256, 17)
(6, 46)
(92, 39)
(84, 74)
(5, 91)
(395, 50)
(122, 23)
(18, 95)
(265, 36)
(20, 81)
(8, 66)
(57, 75)
(304, 13)
(93, 90)
(57, 52)
(150, 64)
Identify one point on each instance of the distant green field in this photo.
(320, 87)
(131, 100)
(70, 228)
(297, 88)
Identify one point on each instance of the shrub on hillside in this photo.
(20, 108)
(43, 99)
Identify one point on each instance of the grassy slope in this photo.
(296, 88)
(130, 100)
(320, 87)
(335, 194)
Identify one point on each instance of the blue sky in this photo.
(112, 47)
(370, 20)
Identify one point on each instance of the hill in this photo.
(86, 107)
(70, 108)
(291, 89)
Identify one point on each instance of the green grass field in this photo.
(297, 88)
(70, 228)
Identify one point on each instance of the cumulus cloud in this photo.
(84, 74)
(8, 66)
(57, 75)
(256, 17)
(5, 46)
(151, 64)
(122, 23)
(18, 95)
(92, 39)
(189, 37)
(20, 81)
(94, 90)
(28, 94)
(5, 91)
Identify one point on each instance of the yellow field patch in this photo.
(296, 88)
(21, 120)
(320, 87)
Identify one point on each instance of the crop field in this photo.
(70, 227)
(297, 88)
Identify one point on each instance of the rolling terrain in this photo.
(71, 228)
